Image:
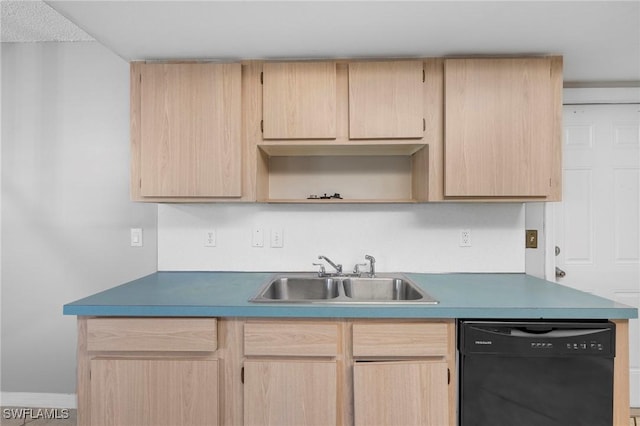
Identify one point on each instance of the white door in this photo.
(597, 225)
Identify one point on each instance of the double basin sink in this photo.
(310, 288)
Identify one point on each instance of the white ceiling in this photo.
(35, 21)
(600, 40)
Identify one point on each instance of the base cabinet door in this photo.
(401, 393)
(289, 393)
(154, 392)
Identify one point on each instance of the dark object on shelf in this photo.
(335, 196)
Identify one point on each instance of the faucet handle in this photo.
(322, 272)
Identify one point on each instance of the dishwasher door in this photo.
(533, 373)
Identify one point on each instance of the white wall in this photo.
(66, 212)
(407, 237)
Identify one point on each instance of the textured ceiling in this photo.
(35, 21)
(600, 40)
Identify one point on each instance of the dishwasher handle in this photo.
(555, 333)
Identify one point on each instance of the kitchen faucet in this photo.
(337, 267)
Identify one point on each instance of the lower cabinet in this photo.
(148, 372)
(290, 393)
(265, 372)
(401, 373)
(400, 393)
(154, 392)
(291, 372)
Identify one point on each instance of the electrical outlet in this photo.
(210, 238)
(465, 238)
(277, 238)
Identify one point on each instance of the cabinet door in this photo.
(290, 393)
(386, 100)
(190, 118)
(157, 392)
(499, 127)
(299, 100)
(401, 393)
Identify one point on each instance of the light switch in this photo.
(257, 238)
(532, 238)
(136, 237)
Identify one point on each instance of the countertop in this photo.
(226, 294)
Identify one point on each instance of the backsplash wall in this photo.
(402, 237)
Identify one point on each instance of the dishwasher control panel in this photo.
(537, 338)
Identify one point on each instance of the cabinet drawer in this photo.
(296, 339)
(152, 334)
(399, 339)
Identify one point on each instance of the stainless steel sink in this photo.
(381, 289)
(310, 288)
(295, 288)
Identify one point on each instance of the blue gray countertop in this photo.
(226, 294)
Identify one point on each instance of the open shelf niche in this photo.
(360, 173)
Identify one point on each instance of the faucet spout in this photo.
(337, 267)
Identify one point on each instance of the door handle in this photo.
(559, 272)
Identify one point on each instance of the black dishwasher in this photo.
(536, 373)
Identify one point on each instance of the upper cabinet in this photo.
(299, 100)
(502, 127)
(354, 128)
(432, 129)
(186, 130)
(386, 100)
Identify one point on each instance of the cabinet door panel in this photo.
(299, 100)
(290, 393)
(386, 100)
(498, 127)
(401, 393)
(190, 130)
(145, 392)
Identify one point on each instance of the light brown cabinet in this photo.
(154, 392)
(371, 372)
(291, 373)
(235, 371)
(290, 392)
(502, 127)
(386, 100)
(148, 371)
(370, 147)
(434, 129)
(400, 392)
(401, 373)
(186, 130)
(299, 100)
